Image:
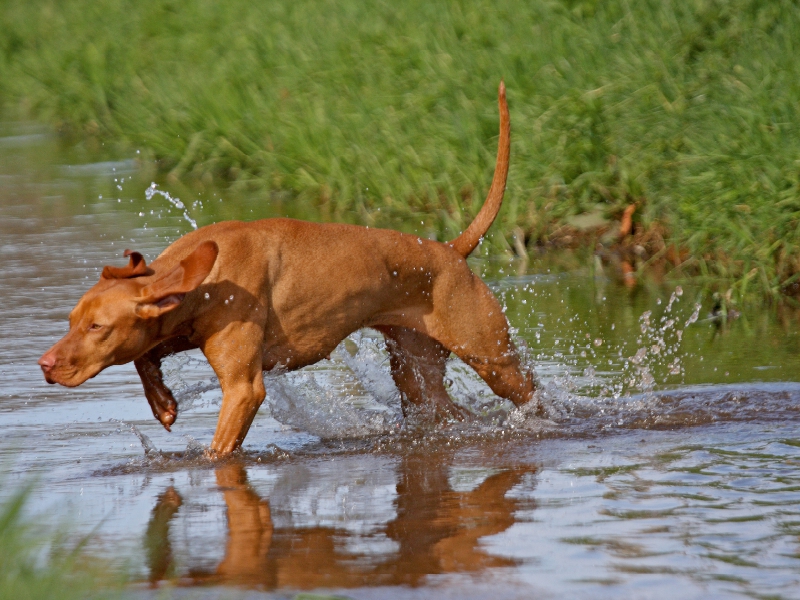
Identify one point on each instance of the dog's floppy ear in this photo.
(167, 292)
(136, 267)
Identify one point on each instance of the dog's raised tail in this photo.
(471, 236)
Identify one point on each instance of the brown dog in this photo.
(281, 293)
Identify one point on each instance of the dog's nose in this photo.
(47, 361)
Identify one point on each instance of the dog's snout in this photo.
(48, 361)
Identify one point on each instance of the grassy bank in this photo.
(689, 109)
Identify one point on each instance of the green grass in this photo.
(27, 572)
(691, 109)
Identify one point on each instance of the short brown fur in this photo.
(282, 294)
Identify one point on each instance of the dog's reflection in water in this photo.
(436, 530)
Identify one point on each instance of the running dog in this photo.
(282, 294)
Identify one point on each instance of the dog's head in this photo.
(119, 318)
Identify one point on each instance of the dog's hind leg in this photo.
(158, 395)
(501, 370)
(473, 326)
(418, 365)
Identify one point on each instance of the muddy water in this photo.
(669, 465)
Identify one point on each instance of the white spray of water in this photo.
(153, 190)
(660, 348)
(367, 358)
(148, 446)
(300, 400)
(616, 397)
(353, 395)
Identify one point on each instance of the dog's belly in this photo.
(297, 338)
(292, 345)
(293, 356)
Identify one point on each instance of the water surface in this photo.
(670, 465)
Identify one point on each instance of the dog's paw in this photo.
(167, 419)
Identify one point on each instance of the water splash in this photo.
(659, 355)
(618, 397)
(177, 368)
(147, 445)
(352, 395)
(299, 400)
(153, 190)
(194, 448)
(367, 358)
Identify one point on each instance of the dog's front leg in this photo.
(235, 354)
(158, 395)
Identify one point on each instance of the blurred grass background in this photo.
(379, 111)
(37, 564)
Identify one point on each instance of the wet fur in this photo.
(282, 294)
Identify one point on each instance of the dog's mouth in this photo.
(67, 376)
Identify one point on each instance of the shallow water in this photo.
(670, 465)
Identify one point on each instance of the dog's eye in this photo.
(95, 327)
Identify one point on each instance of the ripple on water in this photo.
(669, 465)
